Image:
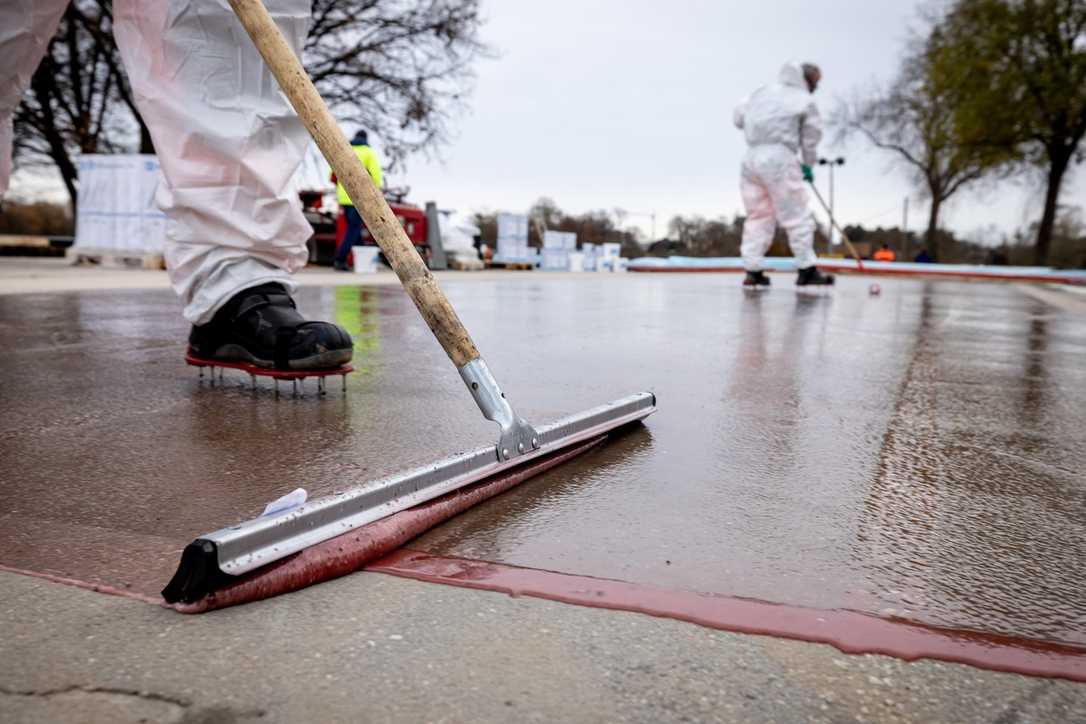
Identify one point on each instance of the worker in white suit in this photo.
(782, 126)
(228, 144)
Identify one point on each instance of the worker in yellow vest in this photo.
(353, 237)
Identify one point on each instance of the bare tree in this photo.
(547, 212)
(914, 120)
(97, 20)
(399, 68)
(77, 98)
(707, 237)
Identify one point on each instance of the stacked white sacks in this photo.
(513, 240)
(557, 246)
(607, 257)
(589, 251)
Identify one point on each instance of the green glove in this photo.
(808, 174)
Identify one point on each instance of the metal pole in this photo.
(830, 250)
(905, 231)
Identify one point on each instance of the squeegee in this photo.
(216, 559)
(844, 236)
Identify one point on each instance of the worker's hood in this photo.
(792, 75)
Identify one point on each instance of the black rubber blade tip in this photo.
(197, 575)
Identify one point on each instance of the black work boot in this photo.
(261, 326)
(756, 280)
(812, 277)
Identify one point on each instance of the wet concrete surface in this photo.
(917, 454)
(375, 648)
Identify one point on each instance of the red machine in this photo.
(329, 228)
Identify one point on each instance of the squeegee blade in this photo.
(230, 552)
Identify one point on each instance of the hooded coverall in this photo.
(227, 140)
(779, 121)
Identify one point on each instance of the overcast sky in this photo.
(601, 104)
(627, 103)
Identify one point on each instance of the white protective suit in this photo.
(779, 121)
(226, 138)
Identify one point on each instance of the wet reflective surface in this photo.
(918, 454)
(848, 631)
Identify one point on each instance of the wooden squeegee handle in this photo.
(844, 236)
(382, 223)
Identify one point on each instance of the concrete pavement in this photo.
(129, 458)
(21, 275)
(373, 648)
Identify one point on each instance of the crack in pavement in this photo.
(184, 711)
(45, 693)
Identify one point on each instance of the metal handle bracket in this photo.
(517, 436)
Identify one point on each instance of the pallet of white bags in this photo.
(116, 258)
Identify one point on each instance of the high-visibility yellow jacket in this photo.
(369, 159)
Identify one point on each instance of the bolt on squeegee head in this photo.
(517, 435)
